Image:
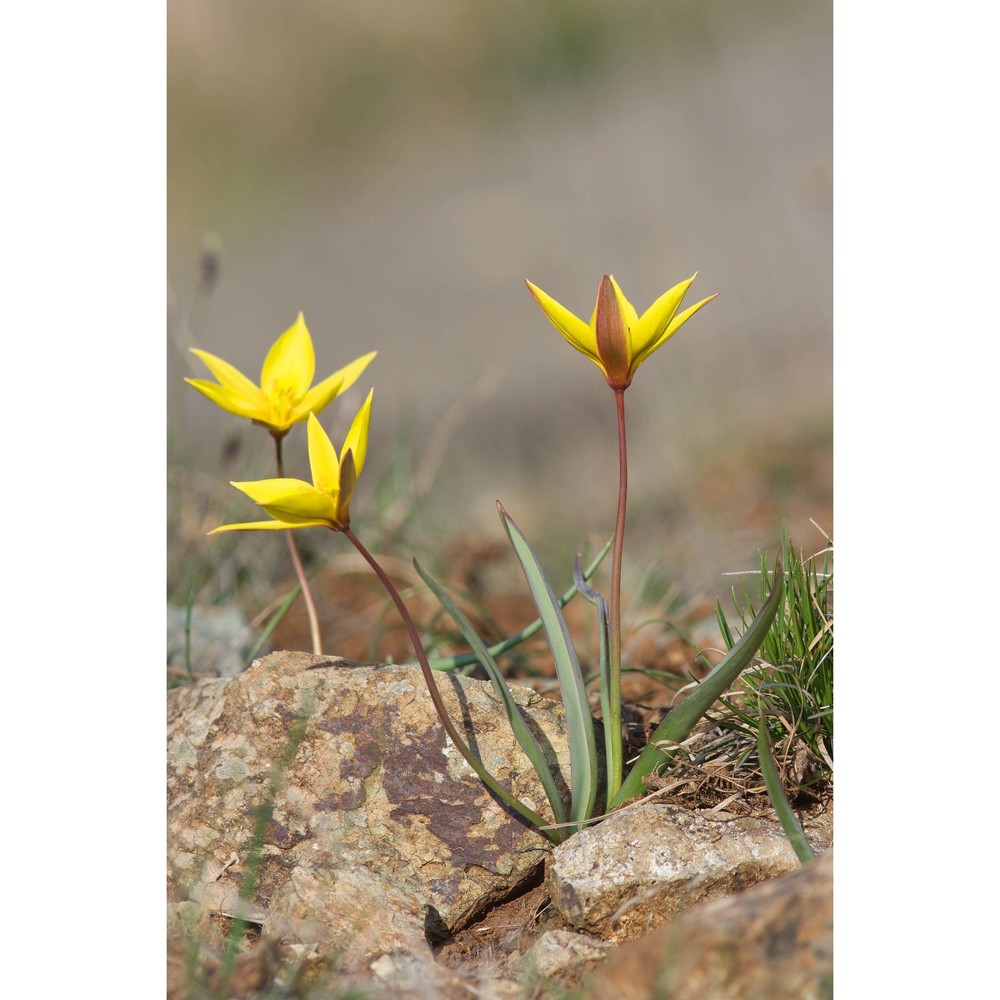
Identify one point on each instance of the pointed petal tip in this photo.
(223, 528)
(536, 292)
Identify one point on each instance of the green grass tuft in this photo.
(791, 684)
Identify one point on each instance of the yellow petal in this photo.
(675, 324)
(573, 329)
(230, 401)
(268, 526)
(658, 316)
(265, 491)
(357, 437)
(322, 457)
(290, 363)
(323, 393)
(229, 376)
(679, 320)
(303, 507)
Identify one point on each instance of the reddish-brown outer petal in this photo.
(612, 336)
(348, 480)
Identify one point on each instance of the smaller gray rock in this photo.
(773, 942)
(221, 640)
(560, 955)
(649, 861)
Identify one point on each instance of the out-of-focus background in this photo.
(396, 169)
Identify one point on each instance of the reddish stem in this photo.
(615, 604)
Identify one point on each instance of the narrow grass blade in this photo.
(724, 628)
(187, 623)
(273, 623)
(582, 744)
(678, 724)
(789, 821)
(524, 735)
(467, 659)
(275, 620)
(612, 741)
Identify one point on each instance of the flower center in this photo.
(282, 399)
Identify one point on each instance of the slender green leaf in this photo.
(612, 747)
(678, 724)
(524, 735)
(467, 659)
(556, 836)
(582, 744)
(786, 814)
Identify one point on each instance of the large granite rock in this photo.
(380, 838)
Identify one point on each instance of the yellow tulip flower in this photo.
(326, 501)
(283, 397)
(617, 339)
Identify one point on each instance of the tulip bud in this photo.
(348, 480)
(612, 336)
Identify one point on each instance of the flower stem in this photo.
(615, 609)
(300, 572)
(449, 728)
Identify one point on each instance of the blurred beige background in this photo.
(396, 169)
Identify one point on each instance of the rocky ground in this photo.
(318, 800)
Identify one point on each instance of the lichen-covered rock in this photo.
(647, 862)
(773, 942)
(379, 834)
